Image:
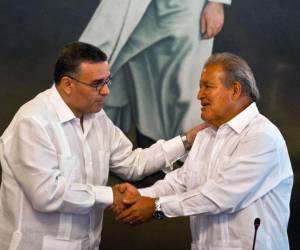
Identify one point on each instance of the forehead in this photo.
(95, 70)
(212, 73)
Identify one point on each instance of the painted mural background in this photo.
(266, 33)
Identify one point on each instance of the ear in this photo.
(66, 85)
(236, 90)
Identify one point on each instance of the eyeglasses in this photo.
(97, 85)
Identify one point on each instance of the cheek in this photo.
(85, 101)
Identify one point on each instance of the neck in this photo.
(67, 101)
(242, 104)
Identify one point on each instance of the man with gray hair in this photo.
(237, 173)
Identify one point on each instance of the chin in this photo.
(96, 110)
(98, 107)
(203, 116)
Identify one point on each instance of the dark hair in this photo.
(236, 69)
(72, 55)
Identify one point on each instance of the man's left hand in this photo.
(191, 134)
(141, 210)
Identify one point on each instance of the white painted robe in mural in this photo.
(156, 55)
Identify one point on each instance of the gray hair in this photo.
(236, 69)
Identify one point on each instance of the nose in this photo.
(200, 94)
(104, 91)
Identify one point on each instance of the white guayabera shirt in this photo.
(53, 189)
(232, 176)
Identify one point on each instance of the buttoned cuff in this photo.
(103, 195)
(174, 150)
(171, 206)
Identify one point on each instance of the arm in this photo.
(252, 171)
(141, 208)
(136, 164)
(37, 168)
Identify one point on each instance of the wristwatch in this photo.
(185, 142)
(158, 214)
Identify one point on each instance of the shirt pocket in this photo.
(103, 159)
(222, 163)
(70, 168)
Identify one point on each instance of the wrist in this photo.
(158, 214)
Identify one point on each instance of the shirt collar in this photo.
(241, 120)
(63, 111)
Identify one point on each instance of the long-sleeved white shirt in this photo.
(54, 174)
(232, 175)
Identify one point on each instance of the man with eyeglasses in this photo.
(56, 155)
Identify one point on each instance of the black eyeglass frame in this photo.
(99, 84)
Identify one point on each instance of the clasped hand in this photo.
(129, 206)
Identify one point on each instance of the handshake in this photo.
(129, 206)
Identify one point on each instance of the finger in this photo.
(203, 24)
(113, 206)
(214, 31)
(122, 187)
(130, 219)
(124, 214)
(209, 33)
(130, 200)
(218, 29)
(116, 210)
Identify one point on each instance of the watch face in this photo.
(158, 215)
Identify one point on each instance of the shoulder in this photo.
(263, 129)
(35, 111)
(38, 106)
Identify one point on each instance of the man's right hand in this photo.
(123, 192)
(212, 19)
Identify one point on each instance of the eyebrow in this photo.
(205, 82)
(102, 79)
